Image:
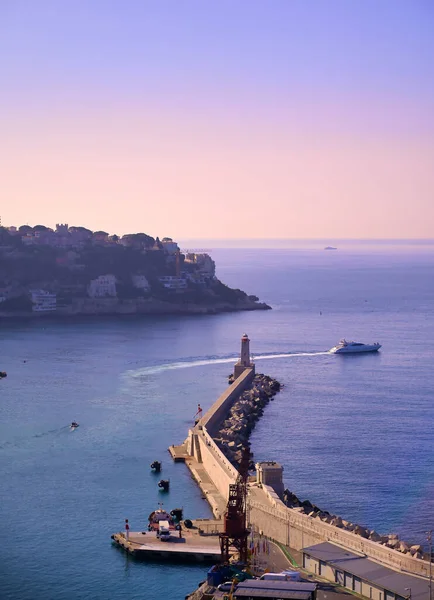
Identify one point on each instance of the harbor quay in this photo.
(190, 546)
(385, 568)
(327, 547)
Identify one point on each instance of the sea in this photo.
(355, 434)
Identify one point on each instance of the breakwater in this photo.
(215, 445)
(390, 540)
(232, 437)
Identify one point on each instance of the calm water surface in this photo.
(355, 434)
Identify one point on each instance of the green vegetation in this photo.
(65, 261)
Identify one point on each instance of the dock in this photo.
(191, 547)
(179, 453)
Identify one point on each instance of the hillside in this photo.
(72, 270)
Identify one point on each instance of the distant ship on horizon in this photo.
(330, 248)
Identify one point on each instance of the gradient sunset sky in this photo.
(218, 118)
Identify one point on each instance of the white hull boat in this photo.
(345, 347)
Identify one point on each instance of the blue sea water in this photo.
(355, 433)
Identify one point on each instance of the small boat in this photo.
(330, 248)
(345, 347)
(176, 513)
(164, 484)
(3, 374)
(74, 425)
(156, 466)
(160, 515)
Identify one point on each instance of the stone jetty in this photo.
(218, 442)
(232, 437)
(390, 540)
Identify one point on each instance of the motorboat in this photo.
(164, 485)
(347, 347)
(160, 515)
(74, 425)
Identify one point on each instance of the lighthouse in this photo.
(244, 362)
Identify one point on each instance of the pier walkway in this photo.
(191, 546)
(209, 490)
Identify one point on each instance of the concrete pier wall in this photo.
(220, 470)
(201, 445)
(219, 410)
(297, 530)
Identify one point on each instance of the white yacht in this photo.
(345, 347)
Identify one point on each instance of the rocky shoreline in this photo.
(232, 438)
(233, 435)
(391, 540)
(114, 307)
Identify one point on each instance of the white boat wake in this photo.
(213, 361)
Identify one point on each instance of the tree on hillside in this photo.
(4, 236)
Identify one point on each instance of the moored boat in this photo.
(347, 347)
(160, 515)
(164, 485)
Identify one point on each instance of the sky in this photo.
(219, 118)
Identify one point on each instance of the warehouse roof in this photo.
(369, 571)
(270, 588)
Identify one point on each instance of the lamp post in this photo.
(429, 538)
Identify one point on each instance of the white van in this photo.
(283, 576)
(292, 575)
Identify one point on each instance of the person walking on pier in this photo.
(127, 530)
(198, 415)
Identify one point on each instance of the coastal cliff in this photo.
(74, 271)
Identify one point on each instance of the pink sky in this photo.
(213, 150)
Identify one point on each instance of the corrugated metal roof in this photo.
(270, 588)
(368, 570)
(267, 593)
(277, 584)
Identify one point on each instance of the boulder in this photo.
(416, 548)
(403, 547)
(374, 536)
(364, 533)
(337, 522)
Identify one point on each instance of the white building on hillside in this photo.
(43, 301)
(104, 285)
(140, 282)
